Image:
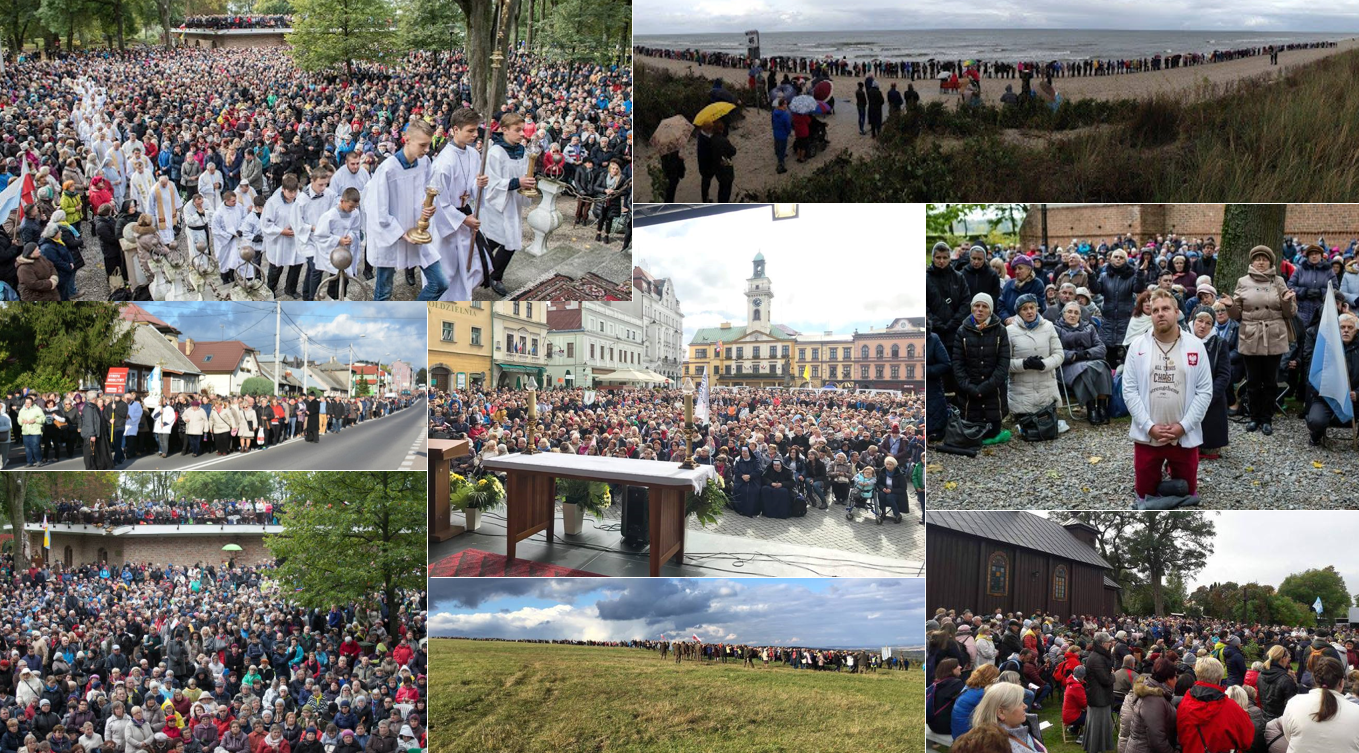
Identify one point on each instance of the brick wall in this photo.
(1337, 222)
(158, 549)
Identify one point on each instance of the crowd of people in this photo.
(251, 21)
(121, 512)
(1172, 683)
(1143, 329)
(108, 429)
(833, 660)
(171, 155)
(769, 446)
(162, 658)
(934, 68)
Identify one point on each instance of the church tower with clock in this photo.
(759, 299)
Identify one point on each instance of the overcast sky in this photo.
(1266, 546)
(836, 267)
(819, 612)
(736, 16)
(391, 327)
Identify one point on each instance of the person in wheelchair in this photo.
(891, 487)
(776, 495)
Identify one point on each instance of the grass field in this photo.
(492, 697)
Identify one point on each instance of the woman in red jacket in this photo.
(1073, 701)
(1207, 720)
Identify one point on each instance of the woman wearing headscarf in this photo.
(745, 484)
(1219, 358)
(1035, 354)
(1265, 307)
(776, 485)
(1084, 372)
(981, 362)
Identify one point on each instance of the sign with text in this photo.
(116, 384)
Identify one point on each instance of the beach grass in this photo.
(1275, 137)
(497, 697)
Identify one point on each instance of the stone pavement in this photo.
(827, 529)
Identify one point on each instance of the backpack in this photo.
(931, 712)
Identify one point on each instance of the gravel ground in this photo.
(1090, 468)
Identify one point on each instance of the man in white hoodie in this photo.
(1167, 384)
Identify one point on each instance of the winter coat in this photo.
(195, 421)
(1234, 661)
(962, 710)
(1276, 687)
(1310, 282)
(1207, 721)
(1005, 304)
(1031, 390)
(1099, 678)
(981, 280)
(1339, 734)
(937, 365)
(1258, 304)
(35, 279)
(947, 302)
(1082, 349)
(136, 737)
(1349, 284)
(981, 363)
(1120, 296)
(1074, 701)
(1215, 420)
(1151, 724)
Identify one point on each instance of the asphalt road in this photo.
(395, 442)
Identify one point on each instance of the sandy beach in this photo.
(754, 143)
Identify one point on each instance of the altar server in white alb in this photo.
(506, 166)
(337, 228)
(311, 203)
(280, 242)
(164, 206)
(352, 174)
(251, 237)
(455, 178)
(228, 227)
(392, 204)
(196, 218)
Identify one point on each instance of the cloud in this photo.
(850, 612)
(837, 267)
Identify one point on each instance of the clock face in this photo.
(757, 302)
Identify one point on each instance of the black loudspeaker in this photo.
(636, 517)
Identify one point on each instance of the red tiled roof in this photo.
(225, 355)
(563, 318)
(134, 313)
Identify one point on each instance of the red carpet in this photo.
(474, 563)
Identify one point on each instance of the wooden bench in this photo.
(944, 742)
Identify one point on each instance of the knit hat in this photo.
(1022, 260)
(984, 298)
(1206, 287)
(977, 248)
(1262, 251)
(1085, 292)
(1025, 299)
(1078, 672)
(1202, 310)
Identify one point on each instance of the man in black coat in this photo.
(119, 425)
(947, 301)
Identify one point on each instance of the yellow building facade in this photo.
(460, 344)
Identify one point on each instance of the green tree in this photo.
(21, 21)
(940, 218)
(422, 377)
(584, 30)
(148, 484)
(1305, 587)
(257, 386)
(274, 7)
(56, 348)
(1146, 547)
(20, 496)
(1245, 226)
(352, 536)
(227, 485)
(329, 32)
(316, 391)
(82, 485)
(362, 388)
(431, 25)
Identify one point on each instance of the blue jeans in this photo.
(863, 116)
(893, 501)
(1040, 695)
(781, 149)
(32, 448)
(382, 283)
(435, 284)
(311, 280)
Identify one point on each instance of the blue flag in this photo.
(1316, 607)
(1330, 375)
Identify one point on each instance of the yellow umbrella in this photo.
(712, 112)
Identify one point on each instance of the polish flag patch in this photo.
(1193, 359)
